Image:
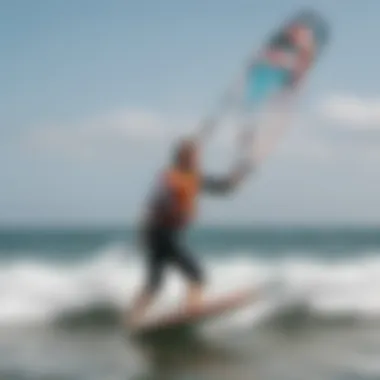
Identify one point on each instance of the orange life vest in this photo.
(185, 188)
(182, 188)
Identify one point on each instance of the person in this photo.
(170, 211)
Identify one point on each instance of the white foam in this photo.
(33, 292)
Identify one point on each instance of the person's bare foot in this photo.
(194, 301)
(139, 309)
(193, 309)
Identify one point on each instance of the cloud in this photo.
(120, 129)
(352, 111)
(127, 130)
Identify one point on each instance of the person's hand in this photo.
(242, 169)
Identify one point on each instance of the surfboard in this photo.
(182, 321)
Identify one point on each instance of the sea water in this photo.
(63, 293)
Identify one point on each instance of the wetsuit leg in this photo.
(164, 248)
(185, 262)
(157, 259)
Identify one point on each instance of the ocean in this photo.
(63, 291)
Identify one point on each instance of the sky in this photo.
(93, 93)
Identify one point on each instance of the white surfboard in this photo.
(183, 319)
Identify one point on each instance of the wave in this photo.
(97, 292)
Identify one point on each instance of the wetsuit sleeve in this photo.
(224, 185)
(216, 185)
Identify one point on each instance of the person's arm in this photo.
(224, 185)
(243, 168)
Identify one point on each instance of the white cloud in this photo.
(115, 130)
(121, 130)
(127, 129)
(353, 111)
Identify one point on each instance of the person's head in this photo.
(186, 155)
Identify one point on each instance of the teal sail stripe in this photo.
(263, 81)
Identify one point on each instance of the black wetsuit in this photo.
(165, 246)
